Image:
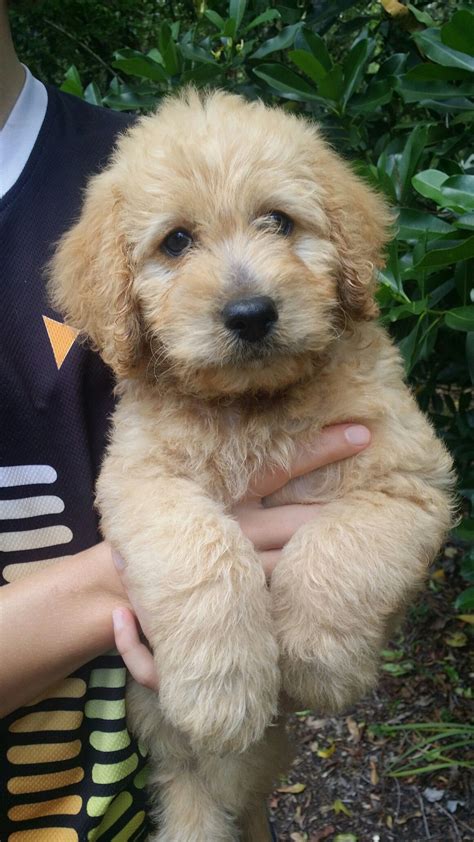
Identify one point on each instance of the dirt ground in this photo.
(341, 786)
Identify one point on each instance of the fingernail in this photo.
(118, 560)
(117, 619)
(357, 435)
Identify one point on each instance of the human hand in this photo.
(269, 529)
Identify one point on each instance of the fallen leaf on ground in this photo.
(400, 668)
(339, 807)
(353, 729)
(374, 775)
(326, 752)
(456, 639)
(293, 789)
(404, 819)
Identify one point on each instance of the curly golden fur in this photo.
(200, 413)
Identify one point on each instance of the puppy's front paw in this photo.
(327, 659)
(324, 686)
(223, 700)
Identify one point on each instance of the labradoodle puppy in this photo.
(223, 266)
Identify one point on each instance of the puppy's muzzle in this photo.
(250, 319)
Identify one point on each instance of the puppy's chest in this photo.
(246, 447)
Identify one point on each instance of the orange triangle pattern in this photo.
(61, 338)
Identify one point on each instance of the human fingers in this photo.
(271, 529)
(137, 657)
(334, 443)
(121, 569)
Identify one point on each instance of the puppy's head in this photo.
(224, 248)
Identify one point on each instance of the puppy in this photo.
(223, 266)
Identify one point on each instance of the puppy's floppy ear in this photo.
(91, 278)
(360, 223)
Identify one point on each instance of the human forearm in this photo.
(54, 621)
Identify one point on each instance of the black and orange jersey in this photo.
(70, 770)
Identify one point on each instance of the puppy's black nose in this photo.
(250, 318)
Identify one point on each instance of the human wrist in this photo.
(102, 591)
(103, 580)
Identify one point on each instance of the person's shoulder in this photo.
(89, 116)
(87, 133)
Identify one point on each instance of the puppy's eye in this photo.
(281, 223)
(177, 242)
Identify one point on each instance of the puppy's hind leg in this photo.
(190, 814)
(255, 827)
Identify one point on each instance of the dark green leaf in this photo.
(412, 308)
(137, 64)
(409, 159)
(465, 221)
(428, 183)
(203, 74)
(308, 64)
(421, 16)
(129, 100)
(284, 80)
(448, 254)
(431, 44)
(354, 65)
(194, 53)
(428, 72)
(457, 192)
(168, 50)
(332, 86)
(265, 17)
(459, 32)
(308, 40)
(92, 94)
(282, 41)
(465, 602)
(230, 29)
(216, 19)
(237, 11)
(407, 347)
(392, 66)
(413, 90)
(413, 224)
(384, 174)
(449, 106)
(461, 318)
(72, 82)
(378, 93)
